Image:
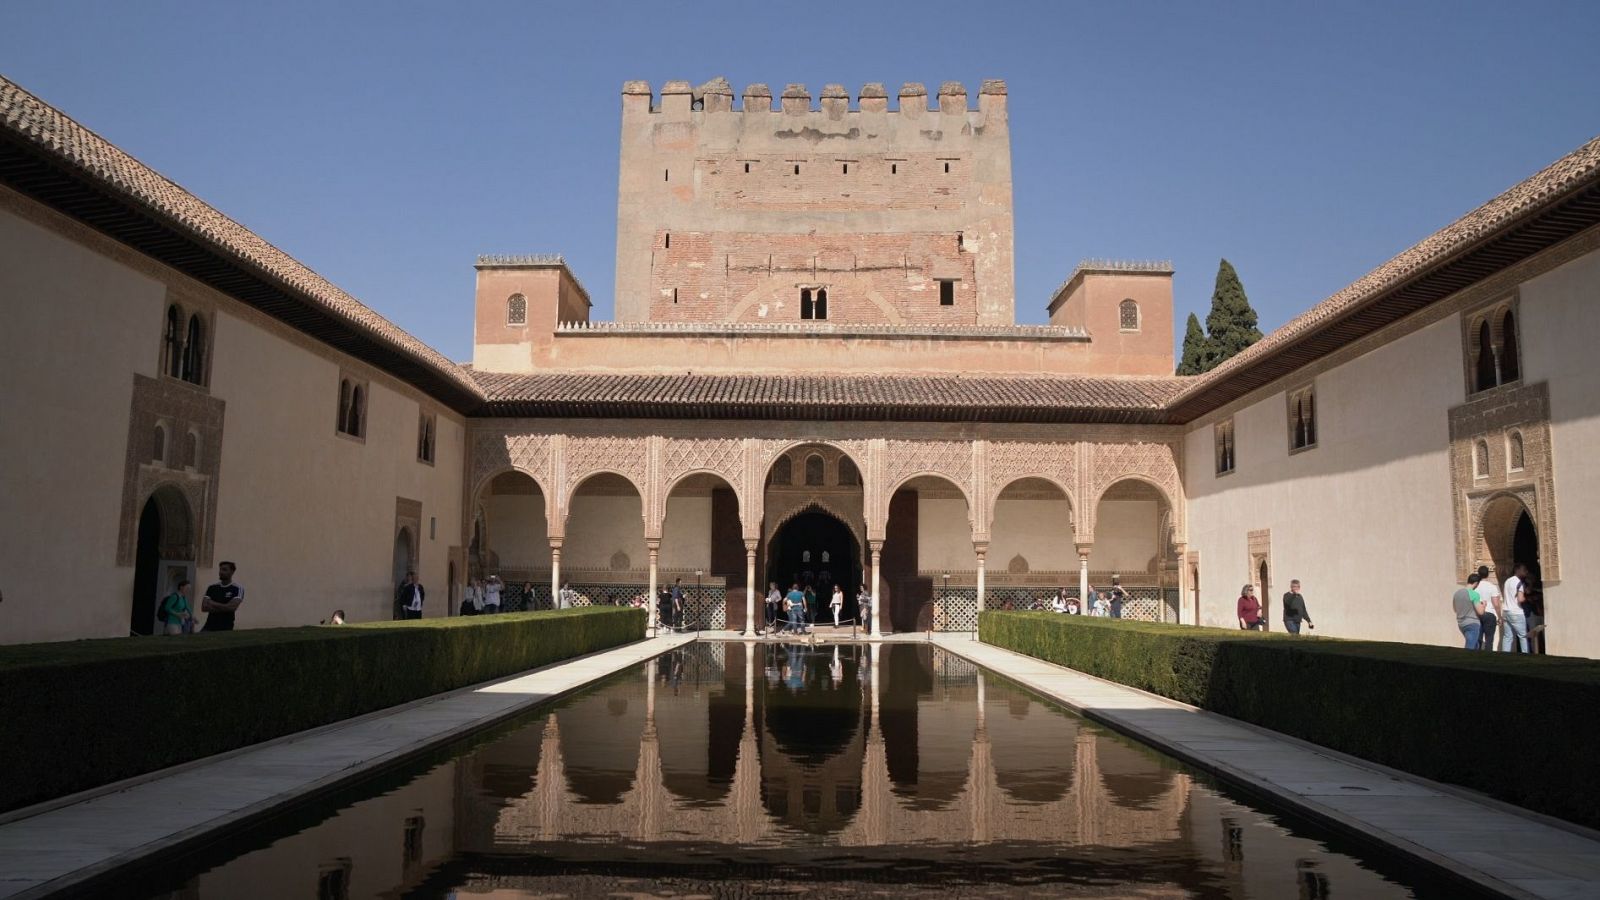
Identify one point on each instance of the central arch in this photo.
(165, 551)
(815, 548)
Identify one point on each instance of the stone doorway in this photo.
(402, 564)
(163, 554)
(1510, 537)
(817, 548)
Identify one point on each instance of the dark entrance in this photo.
(164, 552)
(796, 555)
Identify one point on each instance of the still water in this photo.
(763, 770)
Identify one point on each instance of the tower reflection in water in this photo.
(833, 767)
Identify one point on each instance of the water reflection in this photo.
(834, 767)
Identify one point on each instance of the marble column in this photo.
(982, 548)
(750, 588)
(877, 596)
(654, 547)
(555, 573)
(1083, 576)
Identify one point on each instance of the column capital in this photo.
(556, 542)
(981, 547)
(653, 545)
(1084, 548)
(750, 546)
(874, 546)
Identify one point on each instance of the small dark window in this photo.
(413, 841)
(1480, 459)
(1485, 373)
(666, 174)
(747, 168)
(666, 240)
(517, 310)
(947, 292)
(174, 342)
(674, 295)
(783, 471)
(846, 168)
(821, 310)
(848, 473)
(425, 436)
(1128, 315)
(894, 169)
(1303, 419)
(1510, 365)
(352, 408)
(344, 403)
(158, 453)
(1225, 448)
(194, 352)
(808, 309)
(797, 168)
(813, 470)
(947, 168)
(1515, 452)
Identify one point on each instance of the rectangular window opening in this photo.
(666, 174)
(947, 292)
(797, 168)
(894, 169)
(666, 242)
(747, 168)
(674, 295)
(947, 168)
(846, 168)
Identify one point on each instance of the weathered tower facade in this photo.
(849, 214)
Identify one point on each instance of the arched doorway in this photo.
(164, 554)
(1264, 591)
(1133, 543)
(1509, 537)
(816, 548)
(402, 564)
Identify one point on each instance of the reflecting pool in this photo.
(771, 769)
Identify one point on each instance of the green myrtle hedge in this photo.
(1518, 728)
(78, 714)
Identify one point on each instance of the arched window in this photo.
(194, 352)
(158, 450)
(425, 438)
(358, 411)
(191, 451)
(783, 470)
(813, 470)
(822, 304)
(1129, 311)
(517, 310)
(344, 406)
(1302, 419)
(1224, 442)
(1480, 459)
(1485, 365)
(1311, 417)
(172, 349)
(848, 473)
(1514, 451)
(1510, 364)
(807, 307)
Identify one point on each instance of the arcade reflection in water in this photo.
(725, 767)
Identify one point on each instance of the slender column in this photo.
(1183, 583)
(877, 597)
(555, 571)
(749, 588)
(1083, 576)
(655, 605)
(983, 555)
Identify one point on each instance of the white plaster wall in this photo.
(1039, 530)
(308, 515)
(1126, 535)
(598, 525)
(1560, 324)
(686, 533)
(1364, 520)
(944, 535)
(74, 327)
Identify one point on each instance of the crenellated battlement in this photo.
(717, 95)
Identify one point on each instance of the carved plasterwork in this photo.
(723, 457)
(186, 414)
(1009, 461)
(625, 456)
(1508, 417)
(904, 460)
(1154, 463)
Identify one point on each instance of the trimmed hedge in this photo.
(1515, 727)
(78, 714)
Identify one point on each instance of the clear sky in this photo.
(387, 144)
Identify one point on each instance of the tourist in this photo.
(469, 598)
(1468, 606)
(774, 604)
(864, 607)
(809, 606)
(837, 603)
(1294, 610)
(1118, 597)
(336, 619)
(1249, 609)
(409, 597)
(795, 604)
(1492, 609)
(567, 598)
(1091, 605)
(175, 611)
(222, 599)
(491, 594)
(1073, 607)
(527, 601)
(1514, 621)
(1533, 607)
(664, 609)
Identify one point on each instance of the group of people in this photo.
(1295, 614)
(220, 602)
(800, 607)
(1515, 610)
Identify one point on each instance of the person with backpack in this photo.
(175, 614)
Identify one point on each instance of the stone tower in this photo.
(839, 213)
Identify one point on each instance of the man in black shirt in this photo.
(222, 599)
(1294, 610)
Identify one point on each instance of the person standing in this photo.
(491, 594)
(1117, 596)
(408, 597)
(175, 611)
(837, 603)
(864, 608)
(222, 600)
(1493, 611)
(1468, 605)
(774, 604)
(1294, 610)
(677, 602)
(469, 598)
(796, 603)
(1249, 609)
(1514, 622)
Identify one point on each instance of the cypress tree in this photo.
(1231, 324)
(1194, 348)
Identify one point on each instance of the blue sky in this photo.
(386, 145)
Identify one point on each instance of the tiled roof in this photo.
(1541, 211)
(951, 398)
(47, 137)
